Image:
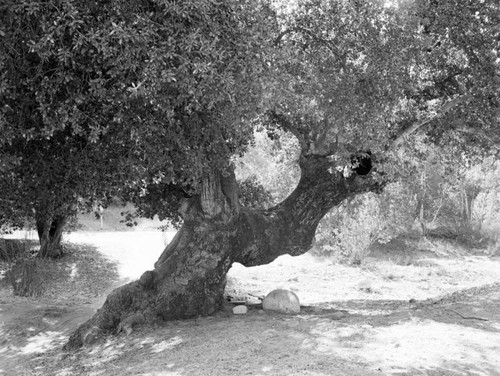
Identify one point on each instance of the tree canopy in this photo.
(130, 98)
(144, 98)
(366, 75)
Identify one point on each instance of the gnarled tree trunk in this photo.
(188, 279)
(50, 229)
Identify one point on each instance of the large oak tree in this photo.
(350, 80)
(344, 77)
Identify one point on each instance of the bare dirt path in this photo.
(438, 316)
(407, 339)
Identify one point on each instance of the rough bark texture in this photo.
(49, 231)
(188, 279)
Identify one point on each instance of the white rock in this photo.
(240, 310)
(283, 301)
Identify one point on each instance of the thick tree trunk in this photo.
(188, 279)
(49, 231)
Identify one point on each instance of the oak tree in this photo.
(346, 78)
(176, 89)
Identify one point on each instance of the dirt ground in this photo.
(435, 313)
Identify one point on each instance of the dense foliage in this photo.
(120, 98)
(142, 99)
(366, 75)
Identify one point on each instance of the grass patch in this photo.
(12, 249)
(82, 273)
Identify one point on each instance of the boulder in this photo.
(283, 301)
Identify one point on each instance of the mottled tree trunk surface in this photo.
(50, 231)
(188, 279)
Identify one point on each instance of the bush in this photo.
(12, 249)
(27, 277)
(350, 230)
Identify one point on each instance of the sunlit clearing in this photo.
(422, 345)
(111, 350)
(166, 345)
(135, 253)
(42, 342)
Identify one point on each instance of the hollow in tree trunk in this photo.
(188, 279)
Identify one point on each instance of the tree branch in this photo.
(327, 43)
(443, 110)
(481, 133)
(284, 123)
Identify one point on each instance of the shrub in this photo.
(351, 229)
(27, 276)
(12, 249)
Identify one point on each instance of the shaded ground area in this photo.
(73, 288)
(433, 316)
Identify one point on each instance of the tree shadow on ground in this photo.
(342, 338)
(318, 341)
(73, 287)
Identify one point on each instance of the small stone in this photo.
(283, 301)
(240, 310)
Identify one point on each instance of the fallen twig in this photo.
(468, 317)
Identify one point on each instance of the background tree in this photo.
(61, 86)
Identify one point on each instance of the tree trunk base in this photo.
(189, 283)
(190, 276)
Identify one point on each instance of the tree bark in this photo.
(49, 229)
(188, 280)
